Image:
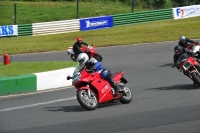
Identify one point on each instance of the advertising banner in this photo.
(96, 23)
(8, 30)
(186, 12)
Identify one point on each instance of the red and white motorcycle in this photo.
(90, 50)
(189, 66)
(195, 49)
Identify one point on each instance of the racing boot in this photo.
(115, 86)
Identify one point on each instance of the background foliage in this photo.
(34, 11)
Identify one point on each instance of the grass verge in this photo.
(20, 68)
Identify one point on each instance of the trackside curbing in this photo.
(35, 82)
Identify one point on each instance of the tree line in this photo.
(152, 4)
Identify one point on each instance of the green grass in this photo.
(19, 68)
(54, 11)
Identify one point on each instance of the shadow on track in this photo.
(166, 65)
(177, 87)
(76, 108)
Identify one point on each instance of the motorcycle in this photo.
(92, 90)
(195, 49)
(189, 66)
(90, 50)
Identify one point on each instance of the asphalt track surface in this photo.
(164, 100)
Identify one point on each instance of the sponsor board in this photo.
(96, 23)
(8, 30)
(186, 12)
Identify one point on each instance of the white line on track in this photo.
(36, 104)
(37, 92)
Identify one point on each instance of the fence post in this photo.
(132, 5)
(15, 12)
(77, 9)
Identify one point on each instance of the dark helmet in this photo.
(178, 50)
(79, 40)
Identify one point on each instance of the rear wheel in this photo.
(73, 57)
(126, 93)
(99, 58)
(86, 101)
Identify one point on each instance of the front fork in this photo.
(195, 70)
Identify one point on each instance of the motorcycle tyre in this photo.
(196, 78)
(83, 104)
(99, 58)
(73, 57)
(124, 99)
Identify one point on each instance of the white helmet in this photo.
(82, 59)
(182, 39)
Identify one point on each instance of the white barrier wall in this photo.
(54, 79)
(186, 11)
(56, 27)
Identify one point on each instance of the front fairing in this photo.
(70, 50)
(76, 74)
(187, 62)
(80, 75)
(183, 57)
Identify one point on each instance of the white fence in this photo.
(56, 27)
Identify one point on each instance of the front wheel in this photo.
(86, 101)
(126, 93)
(196, 77)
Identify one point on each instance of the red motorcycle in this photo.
(89, 50)
(92, 90)
(189, 66)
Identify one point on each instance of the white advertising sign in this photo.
(8, 30)
(186, 12)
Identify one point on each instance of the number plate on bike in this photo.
(187, 65)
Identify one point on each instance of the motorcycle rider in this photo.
(77, 46)
(178, 51)
(92, 65)
(185, 42)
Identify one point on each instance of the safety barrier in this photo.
(146, 16)
(35, 81)
(17, 84)
(56, 27)
(24, 29)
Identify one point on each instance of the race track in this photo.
(164, 100)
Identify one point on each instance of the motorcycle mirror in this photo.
(68, 77)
